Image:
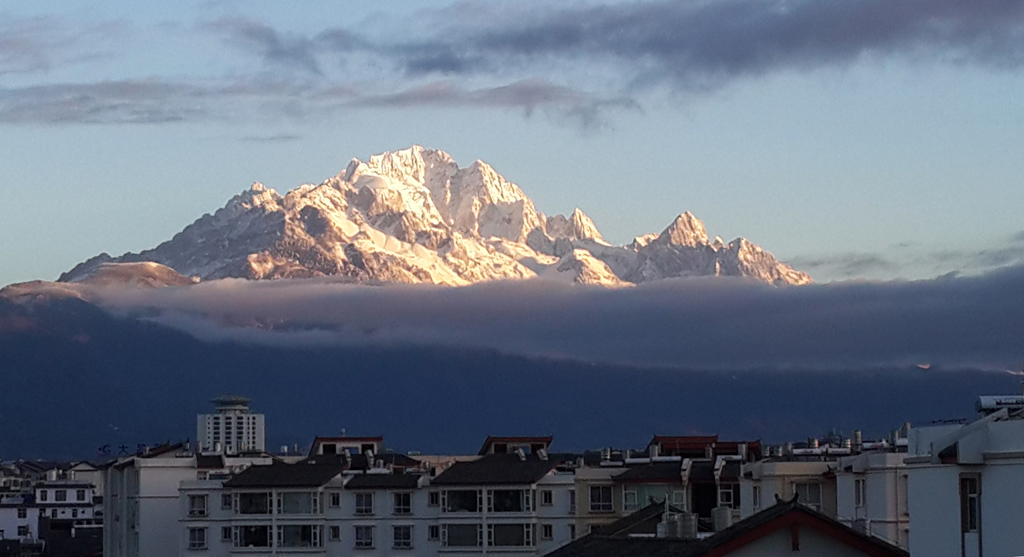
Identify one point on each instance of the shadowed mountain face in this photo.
(414, 216)
(76, 378)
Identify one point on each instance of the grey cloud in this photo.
(275, 138)
(691, 323)
(701, 43)
(845, 265)
(102, 102)
(42, 43)
(277, 49)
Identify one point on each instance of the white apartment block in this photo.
(965, 488)
(871, 495)
(232, 430)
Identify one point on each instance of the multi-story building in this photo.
(871, 493)
(232, 430)
(964, 486)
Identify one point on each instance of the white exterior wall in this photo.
(140, 507)
(884, 512)
(934, 497)
(778, 478)
(9, 523)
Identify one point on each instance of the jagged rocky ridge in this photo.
(414, 216)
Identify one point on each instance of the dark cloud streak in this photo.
(690, 323)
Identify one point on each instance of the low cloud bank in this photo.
(691, 323)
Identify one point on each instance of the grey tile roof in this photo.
(279, 474)
(383, 481)
(499, 469)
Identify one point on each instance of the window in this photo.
(809, 494)
(509, 535)
(969, 507)
(462, 535)
(364, 503)
(335, 500)
(22, 513)
(253, 503)
(433, 532)
(60, 495)
(74, 513)
(364, 537)
(298, 535)
(80, 495)
(298, 503)
(547, 531)
(859, 492)
(434, 499)
(225, 533)
(679, 498)
(729, 495)
(23, 531)
(601, 498)
(572, 501)
(755, 496)
(461, 500)
(43, 495)
(252, 536)
(508, 500)
(629, 500)
(225, 501)
(196, 505)
(547, 498)
(53, 513)
(403, 503)
(197, 538)
(335, 533)
(572, 531)
(403, 537)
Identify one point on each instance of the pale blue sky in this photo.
(853, 139)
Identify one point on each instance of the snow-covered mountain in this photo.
(415, 216)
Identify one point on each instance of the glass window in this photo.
(43, 495)
(509, 535)
(462, 500)
(297, 503)
(729, 495)
(547, 498)
(461, 535)
(225, 534)
(364, 537)
(547, 531)
(335, 500)
(225, 501)
(80, 495)
(22, 531)
(572, 501)
(809, 494)
(364, 503)
(403, 503)
(403, 537)
(196, 505)
(335, 532)
(755, 496)
(252, 536)
(629, 500)
(969, 494)
(859, 492)
(298, 535)
(22, 513)
(254, 503)
(60, 495)
(434, 498)
(197, 538)
(433, 532)
(508, 500)
(601, 498)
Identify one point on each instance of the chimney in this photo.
(858, 440)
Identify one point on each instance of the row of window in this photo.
(61, 495)
(310, 536)
(466, 500)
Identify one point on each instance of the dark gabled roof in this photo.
(359, 461)
(654, 472)
(643, 521)
(383, 481)
(786, 514)
(499, 469)
(683, 442)
(209, 461)
(278, 474)
(609, 543)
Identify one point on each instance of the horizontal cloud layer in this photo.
(690, 323)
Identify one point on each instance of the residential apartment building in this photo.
(964, 486)
(232, 429)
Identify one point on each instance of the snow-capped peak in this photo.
(414, 216)
(686, 230)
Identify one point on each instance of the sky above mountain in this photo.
(864, 138)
